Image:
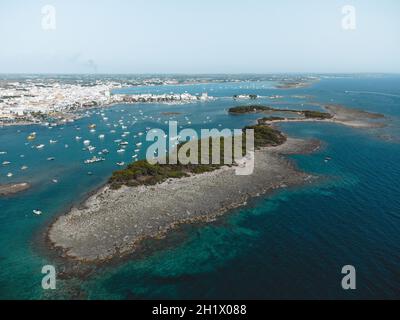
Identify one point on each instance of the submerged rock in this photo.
(10, 189)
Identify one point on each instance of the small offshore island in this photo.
(335, 113)
(145, 201)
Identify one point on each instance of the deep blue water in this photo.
(292, 244)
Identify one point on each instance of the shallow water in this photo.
(289, 245)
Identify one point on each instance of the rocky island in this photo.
(145, 201)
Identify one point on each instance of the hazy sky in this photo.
(199, 36)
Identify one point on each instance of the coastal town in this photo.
(29, 102)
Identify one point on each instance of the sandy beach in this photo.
(112, 223)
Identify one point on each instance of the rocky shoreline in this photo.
(112, 223)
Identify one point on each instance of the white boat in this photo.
(40, 146)
(105, 151)
(3, 152)
(94, 160)
(139, 144)
(91, 148)
(124, 143)
(78, 138)
(55, 181)
(37, 212)
(53, 141)
(51, 159)
(121, 164)
(9, 175)
(86, 142)
(23, 168)
(102, 136)
(6, 163)
(121, 150)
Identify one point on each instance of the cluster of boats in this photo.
(123, 142)
(125, 121)
(94, 160)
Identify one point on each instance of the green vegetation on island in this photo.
(144, 173)
(260, 109)
(249, 109)
(266, 136)
(317, 114)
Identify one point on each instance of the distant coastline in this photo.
(46, 101)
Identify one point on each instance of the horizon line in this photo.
(201, 74)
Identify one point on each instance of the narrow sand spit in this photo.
(111, 223)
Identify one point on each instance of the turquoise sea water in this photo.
(292, 244)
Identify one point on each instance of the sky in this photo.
(199, 36)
